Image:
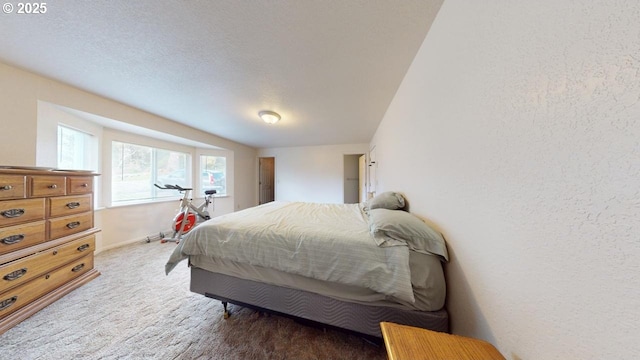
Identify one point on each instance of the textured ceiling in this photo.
(329, 67)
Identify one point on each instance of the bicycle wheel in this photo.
(177, 222)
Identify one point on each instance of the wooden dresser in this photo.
(47, 239)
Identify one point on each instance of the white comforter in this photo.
(328, 242)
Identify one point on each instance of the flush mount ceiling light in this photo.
(270, 117)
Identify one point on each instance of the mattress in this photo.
(427, 279)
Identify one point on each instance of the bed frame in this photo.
(310, 307)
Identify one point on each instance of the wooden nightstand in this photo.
(407, 342)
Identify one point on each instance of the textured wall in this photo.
(516, 131)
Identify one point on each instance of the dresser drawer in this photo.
(67, 205)
(19, 211)
(69, 225)
(14, 299)
(80, 185)
(12, 187)
(22, 270)
(17, 237)
(48, 186)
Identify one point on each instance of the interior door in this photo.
(266, 188)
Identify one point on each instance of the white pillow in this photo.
(386, 200)
(403, 228)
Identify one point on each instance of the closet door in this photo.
(267, 180)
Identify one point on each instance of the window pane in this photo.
(74, 149)
(171, 168)
(136, 168)
(213, 173)
(131, 172)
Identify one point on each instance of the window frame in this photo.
(201, 185)
(229, 166)
(153, 169)
(105, 130)
(88, 149)
(111, 135)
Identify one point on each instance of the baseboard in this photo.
(129, 242)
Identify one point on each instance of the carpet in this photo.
(135, 311)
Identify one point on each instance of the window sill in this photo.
(142, 202)
(154, 201)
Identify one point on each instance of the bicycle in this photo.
(188, 214)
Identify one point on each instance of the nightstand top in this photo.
(408, 342)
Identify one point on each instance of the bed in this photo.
(348, 266)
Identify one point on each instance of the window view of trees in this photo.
(136, 168)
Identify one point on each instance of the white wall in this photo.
(18, 115)
(516, 131)
(311, 173)
(19, 139)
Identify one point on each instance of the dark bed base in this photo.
(311, 307)
(306, 322)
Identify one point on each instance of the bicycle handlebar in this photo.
(172, 187)
(181, 189)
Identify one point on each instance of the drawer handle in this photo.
(78, 267)
(6, 187)
(73, 225)
(73, 205)
(13, 213)
(83, 247)
(7, 302)
(13, 239)
(53, 186)
(14, 275)
(85, 185)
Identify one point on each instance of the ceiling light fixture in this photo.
(270, 117)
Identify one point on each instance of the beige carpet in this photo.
(134, 311)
